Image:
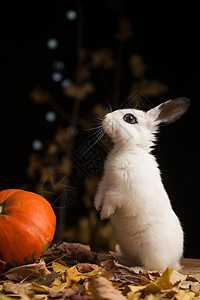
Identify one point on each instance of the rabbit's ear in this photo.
(169, 111)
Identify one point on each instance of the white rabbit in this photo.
(131, 192)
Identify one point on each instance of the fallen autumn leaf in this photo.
(102, 289)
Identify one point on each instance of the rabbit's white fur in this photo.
(131, 192)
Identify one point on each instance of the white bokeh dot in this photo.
(52, 43)
(71, 15)
(57, 76)
(50, 116)
(37, 144)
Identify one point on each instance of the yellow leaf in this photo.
(57, 282)
(145, 280)
(164, 281)
(86, 288)
(156, 297)
(133, 288)
(60, 287)
(184, 295)
(152, 288)
(22, 297)
(39, 288)
(171, 292)
(75, 286)
(73, 275)
(58, 267)
(45, 289)
(134, 296)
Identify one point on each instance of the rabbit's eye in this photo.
(129, 118)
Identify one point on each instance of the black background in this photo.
(165, 36)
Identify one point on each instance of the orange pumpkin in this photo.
(27, 226)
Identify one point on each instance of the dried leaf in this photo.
(31, 271)
(68, 293)
(45, 289)
(16, 288)
(102, 289)
(2, 266)
(164, 282)
(177, 277)
(193, 277)
(133, 289)
(153, 275)
(47, 280)
(60, 287)
(135, 296)
(185, 285)
(78, 252)
(74, 276)
(152, 288)
(121, 273)
(117, 254)
(195, 287)
(81, 297)
(108, 265)
(86, 267)
(39, 288)
(21, 297)
(59, 267)
(184, 295)
(155, 297)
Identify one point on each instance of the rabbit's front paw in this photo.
(98, 201)
(107, 212)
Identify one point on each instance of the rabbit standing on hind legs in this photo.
(131, 192)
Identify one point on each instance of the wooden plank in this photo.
(190, 266)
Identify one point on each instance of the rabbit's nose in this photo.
(109, 120)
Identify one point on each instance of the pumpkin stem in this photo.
(1, 208)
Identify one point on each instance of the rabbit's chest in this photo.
(120, 171)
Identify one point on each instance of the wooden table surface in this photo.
(190, 266)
